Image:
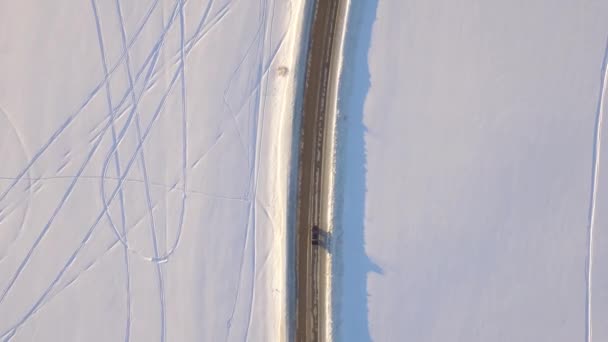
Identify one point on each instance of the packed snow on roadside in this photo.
(467, 149)
(143, 187)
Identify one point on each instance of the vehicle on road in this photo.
(316, 233)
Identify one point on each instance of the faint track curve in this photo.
(250, 229)
(97, 220)
(4, 212)
(62, 128)
(117, 170)
(595, 173)
(202, 30)
(123, 239)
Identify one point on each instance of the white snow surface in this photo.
(472, 172)
(145, 160)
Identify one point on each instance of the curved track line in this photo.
(251, 221)
(73, 116)
(594, 188)
(203, 28)
(235, 73)
(89, 267)
(164, 257)
(259, 133)
(72, 185)
(115, 148)
(267, 67)
(117, 169)
(159, 274)
(131, 180)
(180, 223)
(195, 39)
(4, 214)
(99, 217)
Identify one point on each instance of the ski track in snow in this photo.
(123, 124)
(595, 173)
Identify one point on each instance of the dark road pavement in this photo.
(312, 253)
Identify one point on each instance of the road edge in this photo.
(301, 43)
(331, 140)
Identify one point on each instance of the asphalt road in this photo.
(312, 258)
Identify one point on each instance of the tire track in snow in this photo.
(267, 68)
(235, 73)
(203, 28)
(159, 274)
(185, 48)
(70, 188)
(164, 258)
(203, 156)
(68, 284)
(259, 129)
(250, 233)
(4, 211)
(191, 44)
(73, 116)
(100, 86)
(111, 124)
(62, 166)
(184, 120)
(47, 226)
(141, 141)
(72, 185)
(597, 144)
(56, 211)
(258, 141)
(131, 180)
(201, 32)
(99, 217)
(117, 169)
(249, 214)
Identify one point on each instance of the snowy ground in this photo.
(468, 142)
(143, 188)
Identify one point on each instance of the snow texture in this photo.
(473, 172)
(145, 160)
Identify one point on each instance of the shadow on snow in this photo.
(352, 265)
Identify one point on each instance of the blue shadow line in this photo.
(351, 264)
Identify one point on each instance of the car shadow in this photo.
(351, 263)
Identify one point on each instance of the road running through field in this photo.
(313, 228)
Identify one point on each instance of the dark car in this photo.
(315, 235)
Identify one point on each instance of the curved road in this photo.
(314, 170)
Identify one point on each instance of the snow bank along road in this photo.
(315, 169)
(137, 201)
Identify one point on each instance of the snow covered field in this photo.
(145, 159)
(468, 145)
